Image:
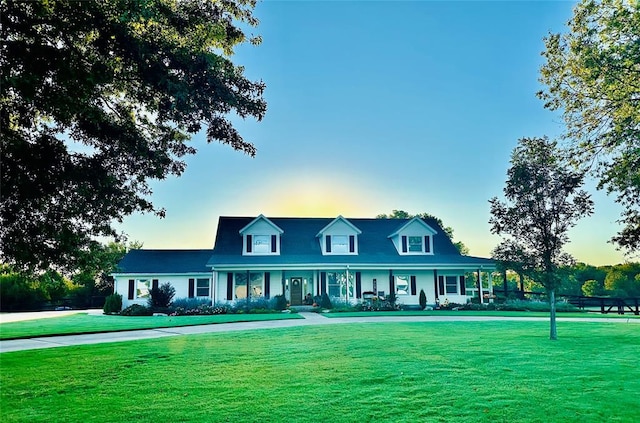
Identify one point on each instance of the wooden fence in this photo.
(605, 305)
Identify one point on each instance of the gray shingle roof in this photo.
(165, 261)
(299, 244)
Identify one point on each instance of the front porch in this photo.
(304, 287)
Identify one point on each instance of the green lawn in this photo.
(494, 313)
(505, 371)
(85, 323)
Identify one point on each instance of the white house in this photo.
(346, 258)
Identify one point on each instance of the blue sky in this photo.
(375, 106)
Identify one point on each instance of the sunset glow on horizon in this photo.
(354, 130)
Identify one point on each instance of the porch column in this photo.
(490, 275)
(214, 286)
(248, 285)
(284, 291)
(480, 287)
(435, 284)
(347, 286)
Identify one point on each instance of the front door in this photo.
(296, 291)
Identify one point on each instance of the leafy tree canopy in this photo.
(543, 201)
(592, 74)
(401, 214)
(620, 284)
(97, 98)
(98, 261)
(592, 288)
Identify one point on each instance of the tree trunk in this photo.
(553, 330)
(521, 284)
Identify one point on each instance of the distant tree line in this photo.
(85, 286)
(620, 280)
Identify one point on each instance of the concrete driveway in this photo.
(34, 315)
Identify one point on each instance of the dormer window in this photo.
(339, 237)
(414, 237)
(261, 237)
(262, 244)
(340, 244)
(416, 244)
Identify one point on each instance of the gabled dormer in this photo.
(261, 237)
(339, 237)
(414, 238)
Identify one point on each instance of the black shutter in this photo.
(191, 287)
(132, 287)
(391, 284)
(249, 243)
(154, 284)
(352, 243)
(441, 284)
(463, 288)
(267, 284)
(413, 285)
(404, 244)
(358, 285)
(229, 286)
(327, 242)
(274, 240)
(427, 244)
(323, 282)
(435, 282)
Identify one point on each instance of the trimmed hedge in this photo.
(137, 310)
(519, 305)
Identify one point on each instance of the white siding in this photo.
(179, 282)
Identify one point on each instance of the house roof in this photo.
(165, 261)
(334, 221)
(299, 245)
(261, 217)
(420, 221)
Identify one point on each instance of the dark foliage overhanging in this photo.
(100, 97)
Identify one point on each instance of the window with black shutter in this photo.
(463, 288)
(441, 284)
(404, 244)
(413, 285)
(202, 287)
(229, 286)
(192, 286)
(358, 285)
(249, 243)
(132, 287)
(267, 284)
(327, 241)
(274, 241)
(352, 243)
(427, 244)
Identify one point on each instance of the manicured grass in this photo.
(477, 313)
(84, 323)
(505, 371)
